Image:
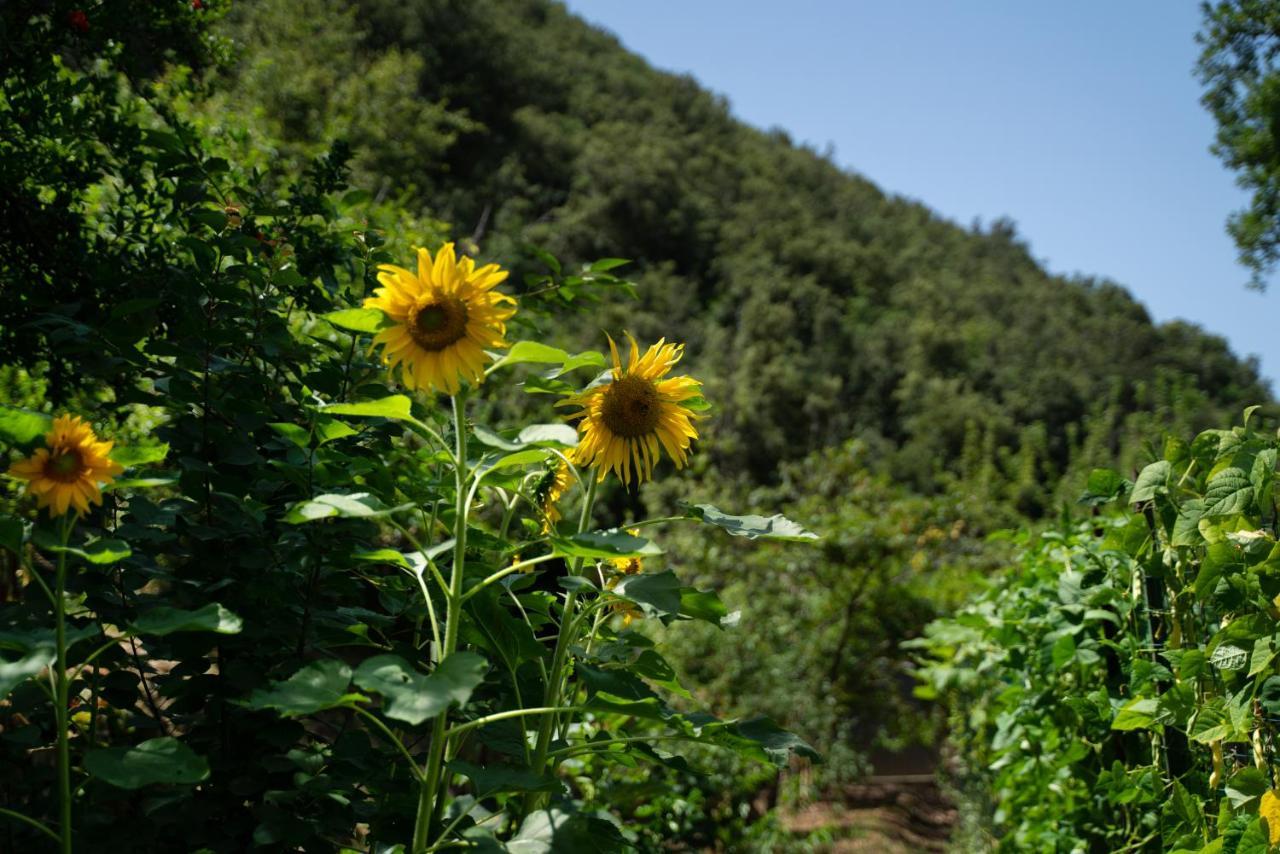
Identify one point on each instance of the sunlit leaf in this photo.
(164, 620)
(753, 527)
(318, 686)
(413, 697)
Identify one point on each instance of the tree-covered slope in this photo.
(818, 306)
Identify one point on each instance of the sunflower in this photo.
(67, 472)
(445, 316)
(625, 421)
(552, 489)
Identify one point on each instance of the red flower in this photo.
(197, 5)
(78, 20)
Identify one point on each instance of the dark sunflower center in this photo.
(64, 466)
(631, 407)
(438, 324)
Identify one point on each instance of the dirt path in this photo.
(887, 814)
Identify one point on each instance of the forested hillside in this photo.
(821, 306)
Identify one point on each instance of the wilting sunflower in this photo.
(552, 489)
(67, 472)
(626, 422)
(445, 316)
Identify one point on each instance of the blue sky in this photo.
(1079, 121)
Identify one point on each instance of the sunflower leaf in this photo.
(164, 620)
(158, 760)
(359, 319)
(357, 505)
(318, 686)
(753, 527)
(137, 455)
(611, 544)
(21, 427)
(397, 407)
(525, 352)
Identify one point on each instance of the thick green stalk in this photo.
(429, 801)
(61, 691)
(561, 655)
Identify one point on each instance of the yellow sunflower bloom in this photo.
(556, 486)
(445, 316)
(69, 470)
(625, 423)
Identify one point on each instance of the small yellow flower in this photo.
(556, 485)
(626, 422)
(628, 565)
(70, 469)
(445, 316)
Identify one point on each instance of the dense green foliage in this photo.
(246, 646)
(1119, 690)
(817, 308)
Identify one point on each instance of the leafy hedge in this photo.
(1119, 689)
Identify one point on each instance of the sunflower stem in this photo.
(559, 658)
(61, 688)
(435, 781)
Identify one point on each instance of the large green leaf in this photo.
(359, 319)
(533, 436)
(138, 455)
(777, 743)
(1151, 480)
(1138, 713)
(396, 407)
(164, 620)
(776, 527)
(357, 505)
(102, 551)
(553, 831)
(318, 686)
(159, 760)
(413, 697)
(656, 592)
(1228, 492)
(14, 673)
(611, 544)
(504, 778)
(22, 427)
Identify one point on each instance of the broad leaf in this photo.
(504, 778)
(1228, 492)
(610, 544)
(318, 686)
(553, 831)
(165, 620)
(1151, 480)
(396, 407)
(413, 697)
(22, 427)
(776, 527)
(138, 455)
(14, 673)
(159, 760)
(359, 319)
(357, 505)
(656, 592)
(102, 552)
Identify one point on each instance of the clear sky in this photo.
(1079, 121)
